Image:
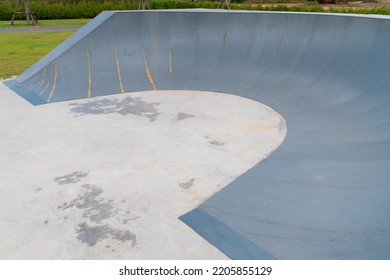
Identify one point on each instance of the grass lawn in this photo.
(20, 50)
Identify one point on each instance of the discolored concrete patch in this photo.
(182, 116)
(128, 105)
(72, 178)
(93, 234)
(94, 208)
(188, 184)
(216, 143)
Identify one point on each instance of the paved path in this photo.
(38, 29)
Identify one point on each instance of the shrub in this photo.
(67, 9)
(6, 11)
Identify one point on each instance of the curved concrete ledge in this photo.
(324, 194)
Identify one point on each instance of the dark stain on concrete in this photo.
(128, 105)
(216, 143)
(91, 235)
(96, 209)
(38, 189)
(186, 185)
(125, 221)
(182, 116)
(46, 222)
(72, 178)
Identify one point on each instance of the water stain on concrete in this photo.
(72, 178)
(96, 208)
(188, 184)
(91, 235)
(125, 106)
(182, 116)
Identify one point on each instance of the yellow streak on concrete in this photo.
(147, 70)
(47, 85)
(118, 69)
(42, 80)
(258, 126)
(89, 74)
(55, 81)
(170, 61)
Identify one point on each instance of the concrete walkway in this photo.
(38, 29)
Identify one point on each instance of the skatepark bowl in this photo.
(324, 193)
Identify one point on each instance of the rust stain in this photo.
(47, 85)
(42, 80)
(55, 80)
(118, 69)
(89, 74)
(170, 61)
(147, 70)
(258, 126)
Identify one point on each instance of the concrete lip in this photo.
(108, 177)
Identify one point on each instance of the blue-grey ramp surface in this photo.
(324, 194)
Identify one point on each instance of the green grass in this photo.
(45, 23)
(20, 50)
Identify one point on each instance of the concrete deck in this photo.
(108, 177)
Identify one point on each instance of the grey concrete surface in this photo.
(324, 194)
(108, 177)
